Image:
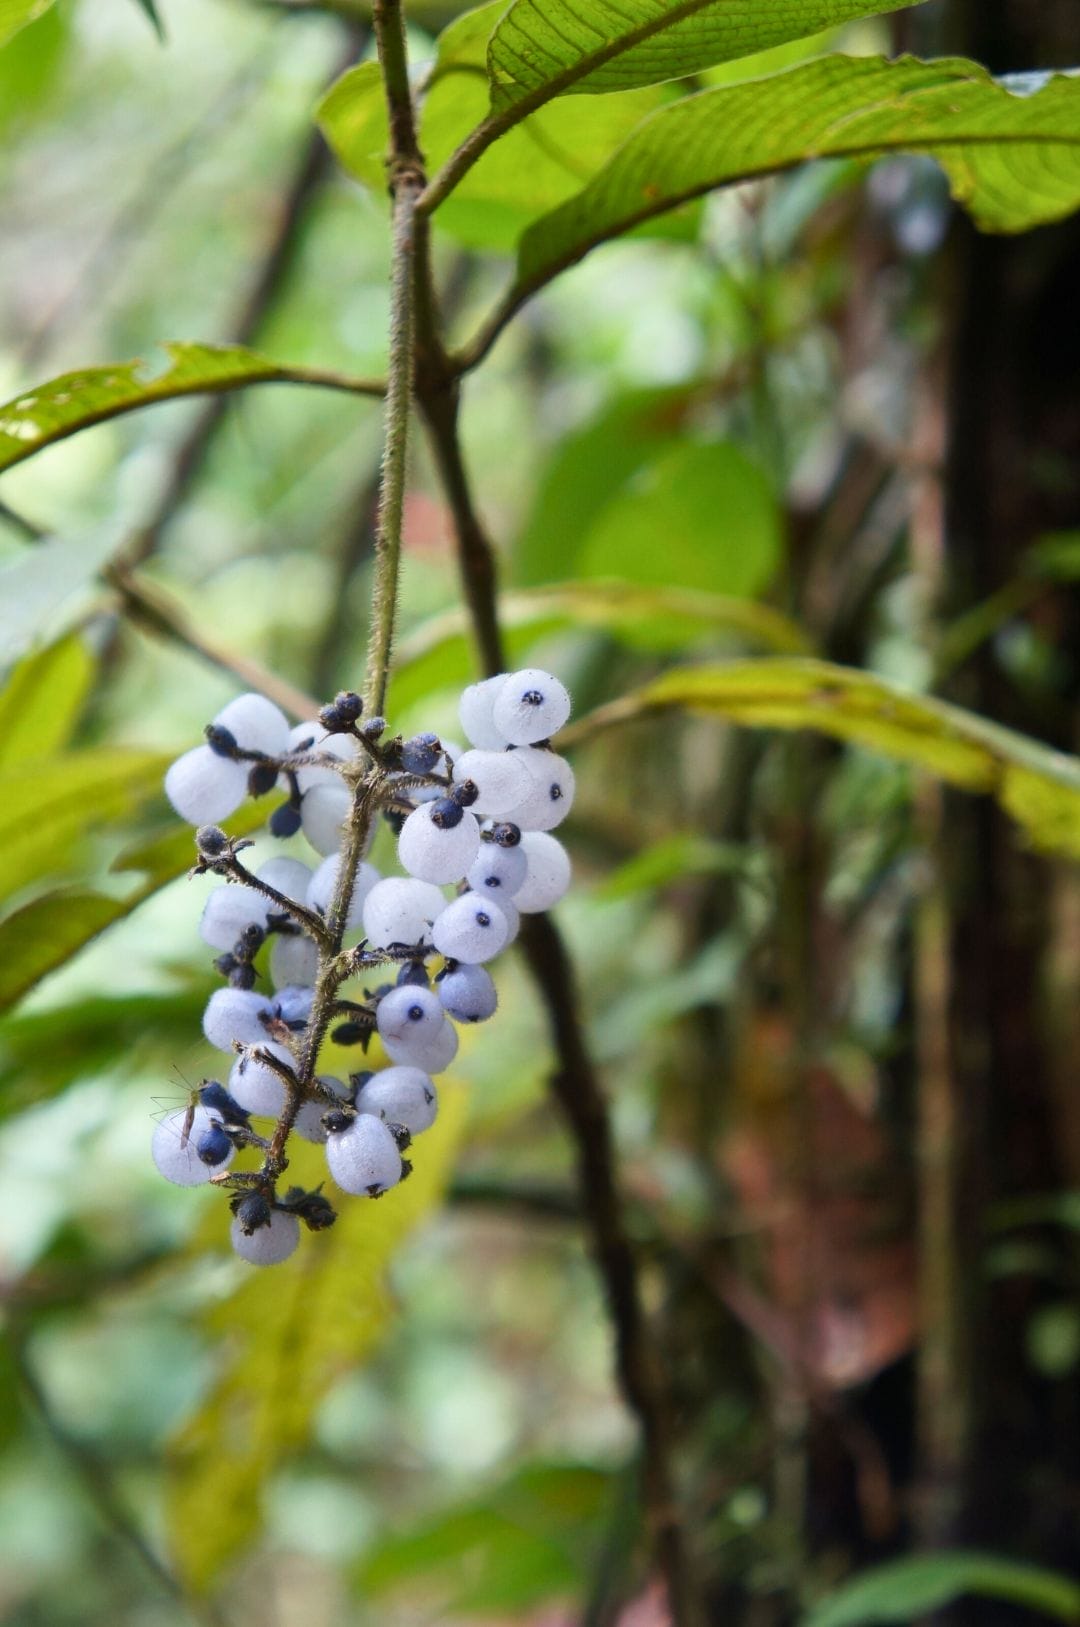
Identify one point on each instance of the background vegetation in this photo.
(785, 487)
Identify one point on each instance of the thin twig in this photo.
(103, 1495)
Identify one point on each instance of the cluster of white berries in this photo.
(474, 838)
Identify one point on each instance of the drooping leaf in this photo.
(45, 933)
(74, 401)
(28, 68)
(15, 14)
(438, 653)
(1012, 160)
(42, 699)
(910, 1588)
(49, 931)
(44, 815)
(42, 1052)
(1039, 787)
(544, 48)
(288, 1334)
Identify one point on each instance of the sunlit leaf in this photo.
(1039, 787)
(15, 14)
(531, 170)
(1012, 160)
(439, 653)
(74, 401)
(910, 1588)
(544, 48)
(29, 67)
(287, 1334)
(45, 814)
(45, 933)
(42, 699)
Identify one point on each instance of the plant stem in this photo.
(406, 184)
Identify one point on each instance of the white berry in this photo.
(435, 853)
(530, 705)
(204, 787)
(400, 1096)
(256, 724)
(473, 929)
(500, 777)
(268, 1245)
(227, 914)
(234, 1017)
(498, 871)
(468, 994)
(175, 1142)
(401, 910)
(257, 1087)
(364, 1158)
(324, 882)
(551, 793)
(547, 873)
(475, 711)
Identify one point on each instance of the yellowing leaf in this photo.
(41, 701)
(1039, 787)
(286, 1334)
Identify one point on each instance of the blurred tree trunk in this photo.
(1012, 474)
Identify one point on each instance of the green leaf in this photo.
(1013, 160)
(29, 66)
(44, 816)
(587, 469)
(49, 931)
(42, 699)
(673, 859)
(42, 1052)
(526, 1540)
(714, 510)
(45, 933)
(287, 1335)
(1039, 787)
(543, 48)
(438, 653)
(15, 14)
(532, 170)
(74, 401)
(910, 1588)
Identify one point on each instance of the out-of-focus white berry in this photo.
(177, 1157)
(256, 1086)
(433, 1055)
(256, 724)
(228, 912)
(437, 854)
(233, 1016)
(547, 874)
(552, 793)
(531, 705)
(513, 920)
(500, 778)
(293, 1003)
(473, 929)
(498, 871)
(205, 788)
(428, 793)
(475, 710)
(400, 1096)
(468, 994)
(364, 1159)
(294, 959)
(323, 813)
(288, 876)
(309, 1119)
(270, 1244)
(401, 910)
(409, 1009)
(324, 881)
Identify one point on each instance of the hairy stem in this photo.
(406, 183)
